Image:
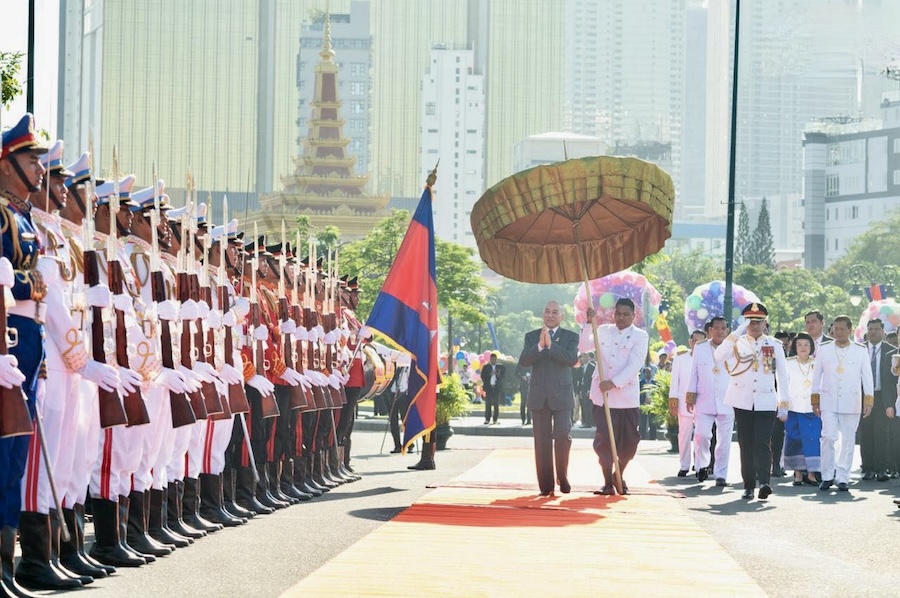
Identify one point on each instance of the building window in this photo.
(432, 130)
(832, 185)
(357, 88)
(897, 145)
(357, 107)
(430, 109)
(897, 177)
(854, 212)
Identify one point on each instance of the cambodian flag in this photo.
(876, 292)
(406, 312)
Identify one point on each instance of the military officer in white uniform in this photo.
(707, 384)
(755, 362)
(842, 371)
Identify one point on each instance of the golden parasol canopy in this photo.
(529, 226)
(572, 221)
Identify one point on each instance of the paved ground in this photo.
(800, 542)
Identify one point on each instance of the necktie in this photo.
(874, 361)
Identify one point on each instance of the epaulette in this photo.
(794, 357)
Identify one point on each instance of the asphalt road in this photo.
(801, 542)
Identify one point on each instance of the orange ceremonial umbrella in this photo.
(573, 221)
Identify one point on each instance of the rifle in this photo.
(204, 351)
(297, 316)
(135, 408)
(237, 396)
(268, 404)
(297, 393)
(321, 399)
(15, 418)
(328, 323)
(182, 413)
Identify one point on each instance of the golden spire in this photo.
(327, 53)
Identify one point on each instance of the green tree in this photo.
(10, 63)
(878, 247)
(762, 248)
(743, 241)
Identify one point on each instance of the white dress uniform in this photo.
(843, 376)
(707, 385)
(681, 372)
(623, 353)
(752, 388)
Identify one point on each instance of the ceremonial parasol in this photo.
(572, 221)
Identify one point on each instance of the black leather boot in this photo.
(229, 481)
(124, 510)
(342, 464)
(107, 548)
(286, 481)
(335, 463)
(171, 519)
(328, 473)
(55, 539)
(318, 470)
(262, 489)
(307, 483)
(158, 524)
(79, 510)
(138, 519)
(245, 492)
(211, 509)
(190, 508)
(426, 460)
(35, 571)
(8, 584)
(274, 483)
(71, 553)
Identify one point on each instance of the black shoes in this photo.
(682, 473)
(843, 487)
(721, 483)
(826, 484)
(702, 474)
(564, 486)
(869, 476)
(764, 491)
(606, 490)
(883, 476)
(748, 494)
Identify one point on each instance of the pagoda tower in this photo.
(324, 186)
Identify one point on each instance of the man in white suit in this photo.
(842, 369)
(623, 350)
(678, 407)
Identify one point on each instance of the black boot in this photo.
(307, 483)
(79, 510)
(107, 548)
(426, 460)
(286, 480)
(35, 571)
(172, 521)
(274, 483)
(334, 463)
(124, 510)
(55, 539)
(245, 492)
(229, 479)
(211, 492)
(262, 489)
(342, 465)
(71, 552)
(138, 519)
(190, 508)
(328, 472)
(8, 585)
(318, 471)
(158, 524)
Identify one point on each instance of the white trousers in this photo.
(703, 423)
(154, 395)
(195, 448)
(86, 448)
(685, 434)
(176, 466)
(167, 433)
(838, 427)
(218, 437)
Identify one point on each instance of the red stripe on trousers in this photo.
(207, 446)
(106, 464)
(33, 469)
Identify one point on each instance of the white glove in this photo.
(334, 382)
(97, 296)
(206, 372)
(782, 413)
(214, 319)
(305, 382)
(7, 275)
(301, 334)
(189, 310)
(10, 376)
(202, 309)
(320, 332)
(364, 332)
(261, 333)
(262, 385)
(229, 375)
(229, 320)
(287, 327)
(129, 380)
(742, 328)
(313, 335)
(167, 310)
(330, 338)
(241, 308)
(191, 378)
(173, 381)
(291, 376)
(318, 378)
(122, 302)
(105, 376)
(345, 378)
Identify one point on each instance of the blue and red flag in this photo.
(406, 312)
(876, 292)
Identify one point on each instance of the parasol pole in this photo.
(587, 290)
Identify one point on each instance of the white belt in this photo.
(33, 310)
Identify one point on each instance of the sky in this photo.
(14, 37)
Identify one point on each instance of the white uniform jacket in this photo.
(754, 366)
(708, 381)
(841, 378)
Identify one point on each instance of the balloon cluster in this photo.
(609, 289)
(886, 310)
(708, 301)
(468, 365)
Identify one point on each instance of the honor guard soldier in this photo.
(757, 366)
(843, 375)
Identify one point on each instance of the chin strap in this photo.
(55, 200)
(15, 163)
(74, 194)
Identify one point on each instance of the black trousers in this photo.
(777, 444)
(524, 411)
(754, 430)
(284, 424)
(587, 410)
(875, 439)
(348, 415)
(625, 428)
(552, 442)
(492, 401)
(399, 405)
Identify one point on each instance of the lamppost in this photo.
(872, 276)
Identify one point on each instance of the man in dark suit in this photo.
(492, 378)
(814, 322)
(583, 389)
(551, 351)
(875, 438)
